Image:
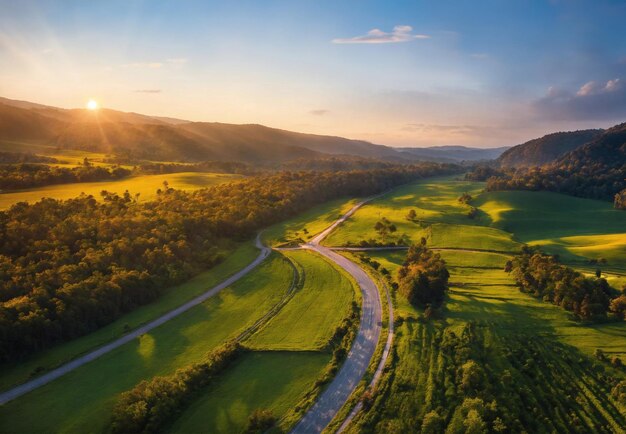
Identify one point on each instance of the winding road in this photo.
(35, 383)
(363, 348)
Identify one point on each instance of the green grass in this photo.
(434, 201)
(235, 260)
(81, 401)
(457, 236)
(146, 185)
(268, 380)
(305, 226)
(576, 229)
(310, 318)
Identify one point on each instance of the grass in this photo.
(268, 380)
(440, 217)
(310, 318)
(236, 259)
(81, 401)
(305, 226)
(145, 185)
(577, 229)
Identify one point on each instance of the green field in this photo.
(235, 260)
(310, 318)
(81, 401)
(305, 226)
(267, 380)
(576, 229)
(145, 185)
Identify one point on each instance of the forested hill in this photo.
(546, 149)
(132, 135)
(596, 170)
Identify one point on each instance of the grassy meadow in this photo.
(81, 401)
(271, 380)
(310, 318)
(145, 185)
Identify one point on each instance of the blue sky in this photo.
(412, 73)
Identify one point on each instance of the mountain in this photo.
(159, 138)
(546, 149)
(454, 153)
(606, 150)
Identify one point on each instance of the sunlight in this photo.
(92, 104)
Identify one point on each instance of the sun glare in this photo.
(92, 104)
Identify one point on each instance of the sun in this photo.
(92, 104)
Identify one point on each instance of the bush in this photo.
(260, 421)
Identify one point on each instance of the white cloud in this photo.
(587, 88)
(400, 33)
(613, 85)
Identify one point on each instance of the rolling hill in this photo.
(455, 153)
(546, 149)
(158, 138)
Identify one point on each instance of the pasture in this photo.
(81, 401)
(145, 185)
(309, 319)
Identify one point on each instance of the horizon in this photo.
(403, 75)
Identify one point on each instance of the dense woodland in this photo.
(596, 170)
(20, 176)
(70, 267)
(542, 276)
(423, 278)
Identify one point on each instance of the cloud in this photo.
(320, 112)
(148, 90)
(149, 65)
(400, 33)
(592, 101)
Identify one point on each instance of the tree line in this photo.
(150, 405)
(542, 276)
(70, 267)
(26, 175)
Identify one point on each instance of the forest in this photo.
(21, 176)
(70, 267)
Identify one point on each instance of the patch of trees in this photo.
(70, 267)
(384, 228)
(24, 157)
(423, 278)
(542, 276)
(150, 405)
(205, 166)
(20, 176)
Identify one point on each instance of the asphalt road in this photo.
(33, 384)
(354, 367)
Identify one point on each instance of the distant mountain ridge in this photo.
(455, 153)
(546, 149)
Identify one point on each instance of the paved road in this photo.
(363, 348)
(22, 389)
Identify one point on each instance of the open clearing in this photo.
(81, 401)
(310, 318)
(267, 380)
(145, 185)
(576, 229)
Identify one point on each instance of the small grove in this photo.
(542, 276)
(423, 278)
(71, 267)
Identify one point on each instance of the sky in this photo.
(400, 73)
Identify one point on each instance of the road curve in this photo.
(337, 393)
(35, 383)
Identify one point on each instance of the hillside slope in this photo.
(455, 153)
(546, 149)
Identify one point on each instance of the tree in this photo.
(412, 215)
(433, 423)
(618, 306)
(384, 227)
(423, 279)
